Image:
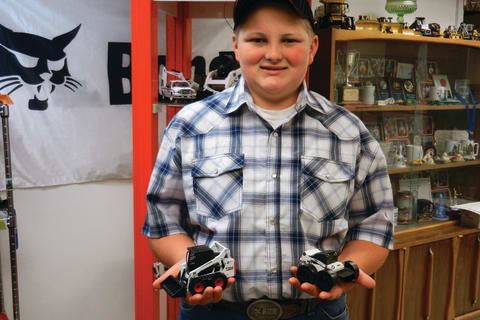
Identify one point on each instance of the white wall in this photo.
(75, 256)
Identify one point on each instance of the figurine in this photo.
(440, 212)
(428, 159)
(444, 158)
(322, 269)
(399, 160)
(204, 267)
(459, 157)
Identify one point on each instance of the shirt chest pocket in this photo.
(324, 188)
(217, 184)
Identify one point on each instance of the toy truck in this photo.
(322, 269)
(203, 267)
(179, 89)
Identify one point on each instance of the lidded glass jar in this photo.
(405, 202)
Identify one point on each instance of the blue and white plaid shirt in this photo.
(223, 174)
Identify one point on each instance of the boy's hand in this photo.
(209, 295)
(335, 293)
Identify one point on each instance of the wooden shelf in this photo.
(349, 35)
(434, 167)
(391, 108)
(212, 9)
(427, 232)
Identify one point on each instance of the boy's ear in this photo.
(235, 45)
(313, 49)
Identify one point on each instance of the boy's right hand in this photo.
(209, 295)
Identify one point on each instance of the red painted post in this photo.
(178, 58)
(144, 29)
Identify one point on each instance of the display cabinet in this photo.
(403, 88)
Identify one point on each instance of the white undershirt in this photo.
(275, 117)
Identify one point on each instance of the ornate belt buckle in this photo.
(264, 309)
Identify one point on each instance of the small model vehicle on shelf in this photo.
(204, 267)
(322, 269)
(419, 25)
(179, 89)
(451, 33)
(465, 30)
(225, 73)
(367, 23)
(215, 84)
(333, 13)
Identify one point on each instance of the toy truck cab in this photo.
(204, 267)
(322, 269)
(178, 89)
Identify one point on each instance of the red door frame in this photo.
(144, 30)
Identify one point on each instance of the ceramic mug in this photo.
(414, 152)
(438, 93)
(367, 94)
(470, 148)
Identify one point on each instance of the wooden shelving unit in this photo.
(409, 108)
(429, 273)
(351, 35)
(411, 169)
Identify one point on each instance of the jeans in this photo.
(325, 310)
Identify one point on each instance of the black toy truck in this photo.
(322, 269)
(203, 267)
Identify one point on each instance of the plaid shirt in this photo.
(224, 174)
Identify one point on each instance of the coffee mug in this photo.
(414, 152)
(367, 94)
(438, 93)
(470, 149)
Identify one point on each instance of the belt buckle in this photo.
(264, 309)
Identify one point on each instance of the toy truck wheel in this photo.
(325, 282)
(352, 275)
(196, 286)
(220, 281)
(307, 273)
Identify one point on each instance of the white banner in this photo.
(66, 66)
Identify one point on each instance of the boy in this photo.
(270, 169)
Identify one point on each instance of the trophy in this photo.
(401, 8)
(350, 93)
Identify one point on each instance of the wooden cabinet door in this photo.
(467, 275)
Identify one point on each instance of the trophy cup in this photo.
(350, 93)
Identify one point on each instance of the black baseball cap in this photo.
(243, 8)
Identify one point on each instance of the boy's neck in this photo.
(271, 103)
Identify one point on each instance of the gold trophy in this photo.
(350, 93)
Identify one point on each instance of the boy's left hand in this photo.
(335, 293)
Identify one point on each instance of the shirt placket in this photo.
(272, 223)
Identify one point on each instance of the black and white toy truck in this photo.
(322, 269)
(203, 267)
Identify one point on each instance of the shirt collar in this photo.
(240, 96)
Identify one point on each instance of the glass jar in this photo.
(405, 202)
